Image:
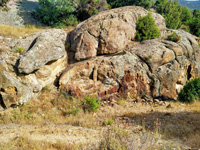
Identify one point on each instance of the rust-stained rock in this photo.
(153, 68)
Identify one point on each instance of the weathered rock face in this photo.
(108, 32)
(16, 89)
(49, 46)
(153, 68)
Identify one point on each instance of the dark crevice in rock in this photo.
(15, 67)
(32, 44)
(189, 72)
(143, 60)
(92, 75)
(2, 102)
(92, 35)
(2, 90)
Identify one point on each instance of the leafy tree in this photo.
(119, 3)
(146, 28)
(186, 15)
(171, 11)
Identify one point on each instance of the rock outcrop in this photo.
(108, 32)
(43, 62)
(104, 60)
(49, 46)
(153, 68)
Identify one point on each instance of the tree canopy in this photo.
(146, 28)
(119, 3)
(171, 11)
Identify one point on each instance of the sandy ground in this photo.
(49, 133)
(19, 13)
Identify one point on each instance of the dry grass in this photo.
(10, 31)
(173, 122)
(24, 143)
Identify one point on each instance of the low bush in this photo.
(174, 37)
(146, 28)
(19, 49)
(62, 13)
(91, 103)
(190, 92)
(108, 122)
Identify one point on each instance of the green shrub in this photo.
(19, 49)
(62, 13)
(108, 122)
(190, 92)
(174, 37)
(91, 103)
(146, 28)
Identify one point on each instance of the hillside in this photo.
(192, 4)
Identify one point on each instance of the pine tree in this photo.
(171, 11)
(186, 15)
(146, 28)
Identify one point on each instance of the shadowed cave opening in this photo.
(189, 72)
(1, 102)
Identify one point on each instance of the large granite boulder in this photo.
(115, 64)
(108, 32)
(49, 46)
(153, 68)
(17, 88)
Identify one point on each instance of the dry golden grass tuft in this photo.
(24, 143)
(10, 31)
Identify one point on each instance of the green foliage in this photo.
(108, 122)
(171, 11)
(19, 49)
(186, 15)
(54, 13)
(143, 3)
(194, 23)
(146, 28)
(190, 92)
(62, 13)
(196, 13)
(3, 2)
(91, 103)
(174, 37)
(195, 26)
